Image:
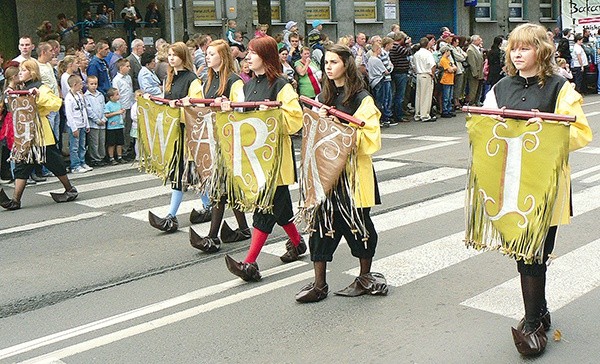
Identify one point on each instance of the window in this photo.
(206, 12)
(517, 10)
(318, 10)
(548, 10)
(275, 11)
(485, 11)
(365, 11)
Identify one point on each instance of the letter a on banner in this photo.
(513, 184)
(200, 140)
(159, 138)
(250, 156)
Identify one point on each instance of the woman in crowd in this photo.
(345, 90)
(270, 84)
(222, 82)
(288, 70)
(309, 75)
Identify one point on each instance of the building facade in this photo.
(340, 17)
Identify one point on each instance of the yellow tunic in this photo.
(368, 141)
(569, 103)
(47, 102)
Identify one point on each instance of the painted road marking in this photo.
(125, 197)
(117, 182)
(414, 150)
(53, 222)
(142, 311)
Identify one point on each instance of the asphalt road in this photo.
(92, 282)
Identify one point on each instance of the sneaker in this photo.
(385, 124)
(30, 181)
(121, 161)
(393, 122)
(417, 118)
(112, 162)
(86, 167)
(78, 169)
(48, 174)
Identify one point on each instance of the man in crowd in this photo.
(137, 48)
(99, 68)
(25, 47)
(119, 47)
(475, 70)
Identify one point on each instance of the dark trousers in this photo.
(538, 269)
(323, 246)
(282, 212)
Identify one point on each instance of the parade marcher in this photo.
(533, 85)
(270, 84)
(46, 101)
(181, 82)
(222, 82)
(345, 90)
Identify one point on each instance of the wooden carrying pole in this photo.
(210, 102)
(520, 114)
(332, 111)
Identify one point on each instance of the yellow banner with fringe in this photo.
(513, 184)
(159, 138)
(249, 157)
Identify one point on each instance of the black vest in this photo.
(520, 93)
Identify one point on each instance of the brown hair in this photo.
(535, 36)
(354, 82)
(266, 49)
(225, 69)
(181, 51)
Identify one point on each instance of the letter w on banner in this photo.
(249, 155)
(159, 138)
(513, 184)
(328, 152)
(200, 139)
(28, 146)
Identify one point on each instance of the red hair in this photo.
(266, 49)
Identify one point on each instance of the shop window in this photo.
(548, 10)
(485, 11)
(365, 11)
(318, 10)
(275, 11)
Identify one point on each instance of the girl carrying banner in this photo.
(46, 151)
(181, 82)
(222, 82)
(344, 89)
(269, 83)
(532, 84)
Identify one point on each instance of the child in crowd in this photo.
(261, 30)
(563, 69)
(134, 123)
(67, 67)
(94, 105)
(245, 73)
(447, 81)
(113, 111)
(77, 120)
(123, 83)
(231, 30)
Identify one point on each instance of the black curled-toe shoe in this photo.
(231, 236)
(545, 319)
(369, 283)
(293, 253)
(206, 244)
(169, 224)
(8, 203)
(66, 196)
(311, 293)
(197, 217)
(530, 343)
(246, 271)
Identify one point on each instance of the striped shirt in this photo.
(399, 56)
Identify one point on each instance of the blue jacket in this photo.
(99, 68)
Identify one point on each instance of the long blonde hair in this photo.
(32, 66)
(225, 69)
(532, 35)
(181, 51)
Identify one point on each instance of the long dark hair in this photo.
(354, 82)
